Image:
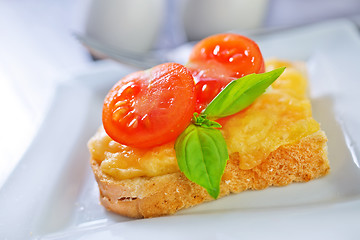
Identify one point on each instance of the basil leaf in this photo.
(240, 93)
(202, 155)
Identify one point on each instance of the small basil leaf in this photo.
(240, 93)
(203, 121)
(210, 124)
(202, 155)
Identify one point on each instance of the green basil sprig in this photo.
(201, 149)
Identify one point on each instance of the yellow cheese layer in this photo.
(280, 116)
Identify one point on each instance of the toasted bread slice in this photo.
(161, 195)
(294, 147)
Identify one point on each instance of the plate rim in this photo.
(349, 26)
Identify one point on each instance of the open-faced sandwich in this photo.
(175, 136)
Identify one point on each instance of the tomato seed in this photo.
(132, 90)
(134, 123)
(119, 103)
(118, 113)
(146, 121)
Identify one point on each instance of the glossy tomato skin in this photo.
(222, 58)
(149, 108)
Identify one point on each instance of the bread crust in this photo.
(145, 197)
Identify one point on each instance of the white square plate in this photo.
(52, 193)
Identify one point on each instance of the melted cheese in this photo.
(280, 116)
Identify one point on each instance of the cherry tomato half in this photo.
(149, 108)
(217, 60)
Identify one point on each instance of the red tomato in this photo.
(149, 108)
(217, 60)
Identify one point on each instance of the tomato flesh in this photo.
(149, 108)
(217, 60)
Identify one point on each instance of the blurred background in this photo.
(40, 47)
